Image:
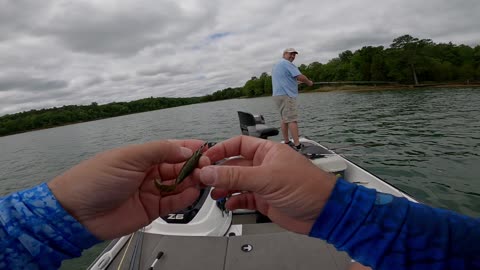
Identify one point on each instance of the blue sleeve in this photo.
(37, 233)
(387, 232)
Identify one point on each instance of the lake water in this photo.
(425, 142)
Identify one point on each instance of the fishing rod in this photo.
(384, 156)
(354, 82)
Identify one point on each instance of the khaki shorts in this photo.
(288, 108)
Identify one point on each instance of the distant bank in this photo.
(73, 114)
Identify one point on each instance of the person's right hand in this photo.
(310, 83)
(113, 193)
(272, 178)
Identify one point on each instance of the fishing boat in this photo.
(207, 236)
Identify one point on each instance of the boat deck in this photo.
(261, 246)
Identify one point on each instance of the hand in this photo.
(272, 178)
(310, 83)
(113, 193)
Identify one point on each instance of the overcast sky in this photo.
(55, 52)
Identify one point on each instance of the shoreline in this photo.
(355, 88)
(323, 89)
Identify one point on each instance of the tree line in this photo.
(53, 117)
(408, 60)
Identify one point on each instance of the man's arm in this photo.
(302, 78)
(37, 233)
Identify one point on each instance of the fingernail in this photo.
(186, 152)
(208, 175)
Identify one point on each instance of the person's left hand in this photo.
(113, 193)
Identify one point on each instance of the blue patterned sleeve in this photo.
(387, 232)
(37, 233)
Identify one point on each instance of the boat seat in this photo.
(251, 126)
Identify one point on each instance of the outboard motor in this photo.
(207, 217)
(254, 125)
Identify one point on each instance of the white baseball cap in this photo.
(290, 50)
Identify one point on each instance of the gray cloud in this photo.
(119, 77)
(29, 84)
(18, 17)
(165, 69)
(122, 29)
(150, 72)
(93, 81)
(58, 52)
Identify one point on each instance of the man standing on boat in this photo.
(285, 79)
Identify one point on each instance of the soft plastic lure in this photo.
(186, 170)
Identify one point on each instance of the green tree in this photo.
(410, 50)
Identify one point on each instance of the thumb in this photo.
(233, 178)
